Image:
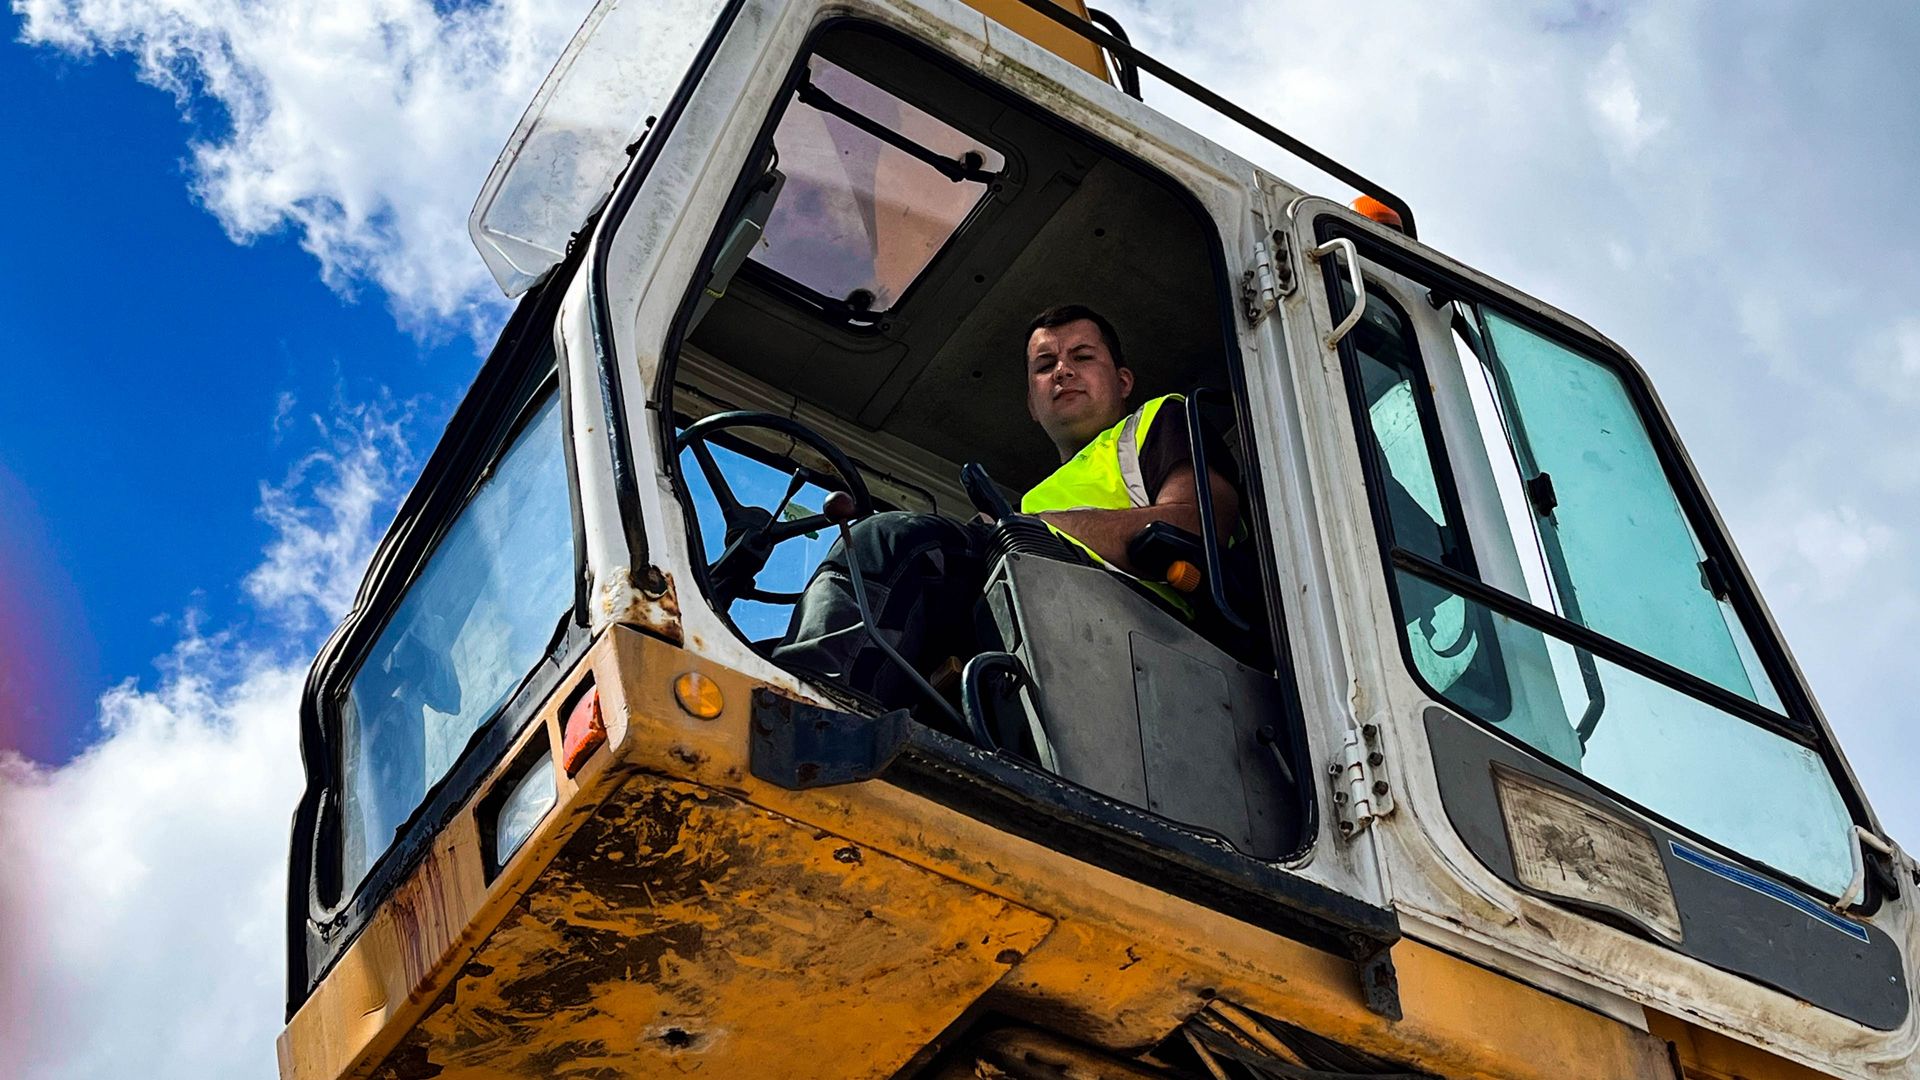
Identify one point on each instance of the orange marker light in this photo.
(1374, 210)
(584, 733)
(1183, 575)
(699, 695)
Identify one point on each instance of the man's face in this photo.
(1074, 391)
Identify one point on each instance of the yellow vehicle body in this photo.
(675, 915)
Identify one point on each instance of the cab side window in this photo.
(477, 618)
(1452, 645)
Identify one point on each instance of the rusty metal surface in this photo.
(682, 930)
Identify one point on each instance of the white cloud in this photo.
(1891, 361)
(1615, 97)
(363, 126)
(322, 539)
(144, 882)
(1818, 553)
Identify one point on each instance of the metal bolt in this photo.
(1379, 787)
(1376, 758)
(1371, 731)
(1335, 769)
(1340, 797)
(1346, 827)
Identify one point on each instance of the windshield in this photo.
(473, 623)
(755, 483)
(1544, 510)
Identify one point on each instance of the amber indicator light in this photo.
(698, 695)
(1374, 210)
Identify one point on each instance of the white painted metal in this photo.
(1442, 892)
(1862, 840)
(1359, 309)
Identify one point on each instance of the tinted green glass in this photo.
(1388, 371)
(1631, 558)
(1721, 776)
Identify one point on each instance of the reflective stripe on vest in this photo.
(1105, 475)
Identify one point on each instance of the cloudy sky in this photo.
(238, 304)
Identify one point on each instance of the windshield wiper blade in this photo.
(966, 167)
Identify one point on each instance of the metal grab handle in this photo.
(1862, 840)
(1342, 244)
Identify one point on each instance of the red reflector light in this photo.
(584, 733)
(1374, 210)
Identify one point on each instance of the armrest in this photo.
(1166, 552)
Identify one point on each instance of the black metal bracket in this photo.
(1379, 982)
(799, 746)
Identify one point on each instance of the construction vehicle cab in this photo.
(1473, 752)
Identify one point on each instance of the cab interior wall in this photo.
(940, 380)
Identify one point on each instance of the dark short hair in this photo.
(1062, 314)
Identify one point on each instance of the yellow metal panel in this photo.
(684, 930)
(1709, 1055)
(1044, 32)
(675, 911)
(1127, 960)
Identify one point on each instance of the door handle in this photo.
(1345, 247)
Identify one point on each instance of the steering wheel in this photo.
(753, 532)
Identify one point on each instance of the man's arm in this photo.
(1177, 503)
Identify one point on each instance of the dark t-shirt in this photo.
(1165, 450)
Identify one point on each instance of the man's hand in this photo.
(1107, 532)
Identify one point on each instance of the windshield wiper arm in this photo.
(966, 167)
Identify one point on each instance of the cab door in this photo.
(1603, 760)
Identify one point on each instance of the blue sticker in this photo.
(1740, 875)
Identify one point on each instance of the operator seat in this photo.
(1118, 693)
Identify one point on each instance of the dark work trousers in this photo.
(923, 575)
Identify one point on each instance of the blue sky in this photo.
(238, 304)
(159, 373)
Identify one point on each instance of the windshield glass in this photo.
(1629, 565)
(476, 620)
(755, 483)
(1724, 777)
(861, 215)
(613, 80)
(1557, 500)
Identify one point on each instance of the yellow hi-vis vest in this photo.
(1105, 475)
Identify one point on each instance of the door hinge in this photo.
(1268, 278)
(1361, 793)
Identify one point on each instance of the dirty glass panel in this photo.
(1389, 373)
(1454, 653)
(614, 78)
(1631, 559)
(477, 619)
(860, 218)
(1734, 782)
